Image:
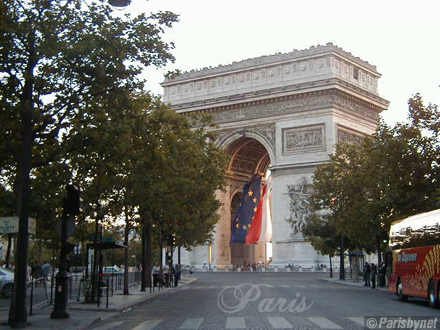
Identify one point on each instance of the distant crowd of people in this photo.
(370, 274)
(166, 275)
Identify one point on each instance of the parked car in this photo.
(6, 282)
(108, 270)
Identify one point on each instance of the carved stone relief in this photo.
(348, 137)
(292, 106)
(303, 139)
(299, 207)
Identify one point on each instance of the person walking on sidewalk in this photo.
(373, 273)
(176, 275)
(155, 272)
(166, 274)
(366, 274)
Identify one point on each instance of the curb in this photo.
(329, 280)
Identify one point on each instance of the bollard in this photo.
(106, 303)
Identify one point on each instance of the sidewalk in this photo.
(83, 315)
(352, 282)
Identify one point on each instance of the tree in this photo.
(391, 175)
(176, 178)
(56, 59)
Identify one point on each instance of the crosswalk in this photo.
(239, 322)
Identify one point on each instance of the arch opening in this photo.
(248, 157)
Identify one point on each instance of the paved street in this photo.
(264, 301)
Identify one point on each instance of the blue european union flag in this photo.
(245, 214)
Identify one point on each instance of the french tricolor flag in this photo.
(261, 229)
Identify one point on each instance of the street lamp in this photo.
(119, 3)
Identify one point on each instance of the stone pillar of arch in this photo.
(283, 112)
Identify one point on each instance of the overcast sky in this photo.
(402, 38)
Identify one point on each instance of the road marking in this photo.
(324, 323)
(357, 320)
(269, 286)
(314, 286)
(300, 286)
(191, 323)
(148, 325)
(279, 323)
(109, 325)
(211, 287)
(285, 286)
(235, 323)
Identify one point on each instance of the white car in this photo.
(112, 270)
(6, 282)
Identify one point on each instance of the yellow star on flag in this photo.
(250, 193)
(255, 209)
(237, 225)
(255, 200)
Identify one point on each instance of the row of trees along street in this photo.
(74, 109)
(364, 188)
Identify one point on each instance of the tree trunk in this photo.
(331, 267)
(146, 252)
(17, 314)
(8, 251)
(127, 231)
(341, 261)
(379, 250)
(149, 255)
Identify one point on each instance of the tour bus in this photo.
(415, 257)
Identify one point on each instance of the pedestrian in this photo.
(366, 274)
(155, 272)
(373, 272)
(45, 269)
(166, 274)
(176, 275)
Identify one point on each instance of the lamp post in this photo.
(71, 207)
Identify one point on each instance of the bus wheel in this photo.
(400, 294)
(433, 300)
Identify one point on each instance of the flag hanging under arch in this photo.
(246, 212)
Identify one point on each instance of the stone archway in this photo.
(248, 156)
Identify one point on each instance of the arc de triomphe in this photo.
(285, 113)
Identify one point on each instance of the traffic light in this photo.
(385, 237)
(171, 240)
(73, 200)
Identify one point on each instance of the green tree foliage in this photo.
(391, 175)
(177, 176)
(59, 62)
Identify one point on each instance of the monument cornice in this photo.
(333, 98)
(268, 60)
(271, 94)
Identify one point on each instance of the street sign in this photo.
(10, 225)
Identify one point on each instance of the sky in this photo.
(401, 38)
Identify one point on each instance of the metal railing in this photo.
(41, 291)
